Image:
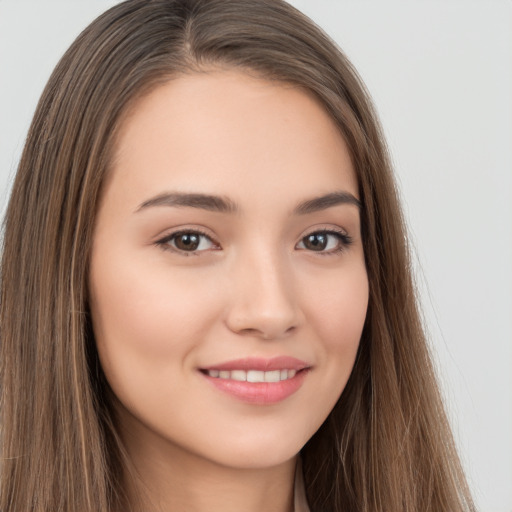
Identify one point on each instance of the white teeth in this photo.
(238, 375)
(253, 375)
(273, 376)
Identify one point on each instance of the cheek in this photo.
(337, 308)
(147, 322)
(145, 316)
(337, 313)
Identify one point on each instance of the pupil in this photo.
(316, 242)
(187, 242)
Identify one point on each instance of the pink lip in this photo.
(262, 364)
(261, 393)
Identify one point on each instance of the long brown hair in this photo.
(385, 447)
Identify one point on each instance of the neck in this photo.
(169, 479)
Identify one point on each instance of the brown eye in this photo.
(327, 242)
(316, 241)
(187, 242)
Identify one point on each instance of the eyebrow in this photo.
(222, 204)
(326, 201)
(192, 200)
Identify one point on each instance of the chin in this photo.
(258, 451)
(260, 458)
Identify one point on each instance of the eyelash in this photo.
(164, 243)
(344, 241)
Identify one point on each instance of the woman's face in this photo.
(228, 284)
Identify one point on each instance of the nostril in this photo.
(260, 316)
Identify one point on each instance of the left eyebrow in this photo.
(327, 201)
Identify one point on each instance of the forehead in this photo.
(228, 133)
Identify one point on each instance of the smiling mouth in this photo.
(258, 380)
(257, 387)
(253, 375)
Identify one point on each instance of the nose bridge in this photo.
(264, 300)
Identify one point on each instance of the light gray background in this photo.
(441, 75)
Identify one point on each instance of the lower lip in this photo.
(262, 393)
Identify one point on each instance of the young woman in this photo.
(206, 293)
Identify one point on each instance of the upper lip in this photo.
(260, 363)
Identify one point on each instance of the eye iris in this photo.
(187, 242)
(316, 241)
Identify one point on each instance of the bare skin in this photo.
(229, 229)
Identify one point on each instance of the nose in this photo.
(263, 300)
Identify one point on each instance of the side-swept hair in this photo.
(386, 446)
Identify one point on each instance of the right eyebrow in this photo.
(208, 202)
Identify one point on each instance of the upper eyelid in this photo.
(203, 231)
(341, 233)
(327, 230)
(170, 233)
(336, 230)
(186, 231)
